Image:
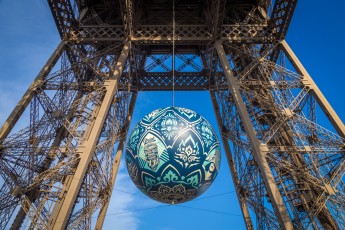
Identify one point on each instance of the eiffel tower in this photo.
(286, 165)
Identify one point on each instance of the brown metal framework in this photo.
(60, 169)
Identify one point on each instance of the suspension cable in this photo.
(173, 58)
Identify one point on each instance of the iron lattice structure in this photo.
(59, 169)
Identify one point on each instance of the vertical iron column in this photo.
(229, 157)
(86, 150)
(260, 150)
(116, 164)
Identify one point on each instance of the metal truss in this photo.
(248, 22)
(158, 34)
(57, 160)
(287, 168)
(61, 158)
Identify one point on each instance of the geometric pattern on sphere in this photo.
(173, 155)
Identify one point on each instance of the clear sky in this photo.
(28, 36)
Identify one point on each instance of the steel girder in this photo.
(277, 149)
(40, 161)
(162, 34)
(256, 27)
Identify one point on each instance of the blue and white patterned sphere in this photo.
(173, 155)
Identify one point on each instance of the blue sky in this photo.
(28, 37)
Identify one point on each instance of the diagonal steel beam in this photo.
(116, 164)
(25, 100)
(63, 15)
(229, 157)
(127, 12)
(281, 16)
(63, 207)
(314, 89)
(260, 150)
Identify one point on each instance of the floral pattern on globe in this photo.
(173, 155)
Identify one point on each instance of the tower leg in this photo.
(259, 149)
(25, 100)
(116, 164)
(322, 211)
(17, 113)
(229, 157)
(321, 99)
(72, 185)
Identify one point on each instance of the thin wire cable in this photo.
(208, 210)
(129, 193)
(165, 205)
(178, 205)
(138, 210)
(200, 198)
(216, 195)
(173, 58)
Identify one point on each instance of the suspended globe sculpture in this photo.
(173, 155)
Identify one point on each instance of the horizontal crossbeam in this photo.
(162, 81)
(163, 34)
